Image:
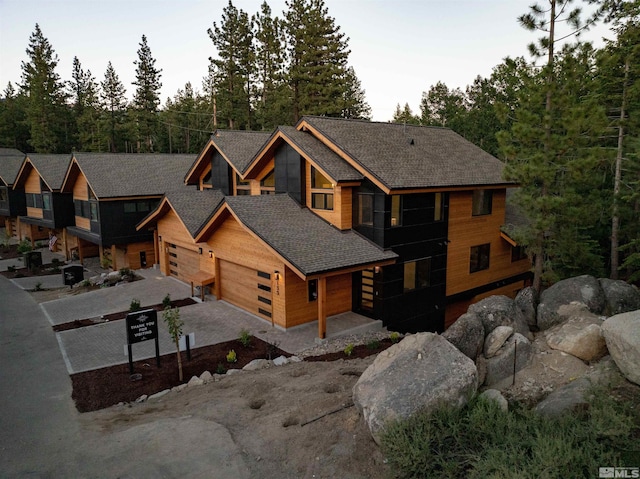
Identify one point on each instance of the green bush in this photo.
(221, 369)
(394, 337)
(374, 344)
(245, 337)
(166, 301)
(135, 305)
(125, 272)
(348, 349)
(24, 246)
(482, 441)
(232, 357)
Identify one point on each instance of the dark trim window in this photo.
(46, 201)
(243, 187)
(365, 209)
(417, 274)
(518, 253)
(94, 211)
(482, 202)
(396, 210)
(479, 259)
(139, 207)
(264, 275)
(4, 195)
(313, 290)
(268, 184)
(34, 200)
(320, 185)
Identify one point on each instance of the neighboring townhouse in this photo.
(48, 210)
(111, 193)
(400, 223)
(12, 202)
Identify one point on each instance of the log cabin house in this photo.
(412, 216)
(48, 210)
(111, 193)
(12, 202)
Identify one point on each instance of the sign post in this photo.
(142, 326)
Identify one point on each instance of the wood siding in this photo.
(32, 183)
(81, 188)
(34, 212)
(466, 231)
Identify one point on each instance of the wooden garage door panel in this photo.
(183, 262)
(240, 286)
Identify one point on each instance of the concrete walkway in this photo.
(212, 322)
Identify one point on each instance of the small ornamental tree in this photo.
(171, 316)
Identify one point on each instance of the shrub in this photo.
(166, 301)
(171, 316)
(480, 440)
(394, 337)
(11, 269)
(231, 357)
(245, 337)
(105, 262)
(221, 369)
(38, 286)
(374, 344)
(86, 283)
(135, 305)
(24, 246)
(349, 349)
(125, 272)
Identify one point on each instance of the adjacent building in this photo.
(12, 201)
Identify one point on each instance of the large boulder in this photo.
(621, 296)
(514, 355)
(466, 334)
(580, 335)
(622, 334)
(422, 372)
(527, 302)
(496, 339)
(497, 311)
(582, 289)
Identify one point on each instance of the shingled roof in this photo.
(305, 240)
(52, 168)
(113, 175)
(10, 163)
(326, 159)
(194, 207)
(407, 156)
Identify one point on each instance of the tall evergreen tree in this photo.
(114, 110)
(86, 108)
(405, 115)
(318, 54)
(441, 106)
(354, 104)
(272, 94)
(539, 163)
(147, 97)
(184, 119)
(46, 99)
(234, 66)
(14, 130)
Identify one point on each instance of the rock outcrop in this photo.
(497, 311)
(622, 335)
(621, 296)
(422, 372)
(514, 355)
(580, 335)
(466, 334)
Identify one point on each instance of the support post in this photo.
(322, 307)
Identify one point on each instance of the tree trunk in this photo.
(615, 217)
(179, 359)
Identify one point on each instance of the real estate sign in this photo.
(142, 325)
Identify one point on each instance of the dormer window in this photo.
(482, 202)
(321, 199)
(268, 184)
(243, 187)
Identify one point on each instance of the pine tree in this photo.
(536, 155)
(234, 67)
(46, 109)
(272, 94)
(86, 108)
(184, 119)
(147, 97)
(405, 115)
(14, 132)
(114, 110)
(355, 105)
(441, 106)
(318, 54)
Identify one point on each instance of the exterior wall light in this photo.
(210, 254)
(277, 275)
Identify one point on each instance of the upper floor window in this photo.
(437, 212)
(396, 210)
(365, 209)
(46, 201)
(268, 184)
(243, 187)
(518, 253)
(417, 274)
(91, 195)
(206, 180)
(479, 257)
(34, 200)
(4, 196)
(139, 207)
(321, 200)
(482, 200)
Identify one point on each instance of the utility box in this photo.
(72, 274)
(32, 259)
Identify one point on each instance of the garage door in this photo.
(183, 262)
(246, 288)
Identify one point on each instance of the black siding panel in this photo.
(221, 174)
(120, 228)
(289, 173)
(63, 209)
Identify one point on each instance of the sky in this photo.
(399, 48)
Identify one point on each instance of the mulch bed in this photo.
(81, 323)
(105, 387)
(44, 270)
(9, 252)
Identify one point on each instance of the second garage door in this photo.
(247, 288)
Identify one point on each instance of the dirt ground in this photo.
(292, 421)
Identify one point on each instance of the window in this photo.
(243, 187)
(396, 210)
(417, 274)
(94, 211)
(264, 275)
(482, 200)
(206, 180)
(34, 200)
(437, 212)
(313, 290)
(518, 253)
(46, 202)
(91, 195)
(479, 258)
(320, 200)
(140, 207)
(3, 193)
(268, 184)
(129, 207)
(365, 209)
